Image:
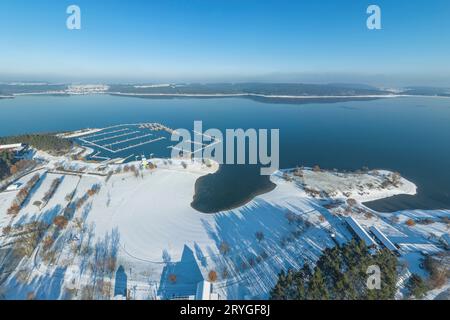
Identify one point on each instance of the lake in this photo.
(408, 135)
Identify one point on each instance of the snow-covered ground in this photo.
(140, 232)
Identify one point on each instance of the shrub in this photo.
(111, 264)
(14, 209)
(437, 270)
(298, 173)
(425, 221)
(54, 186)
(417, 287)
(79, 223)
(368, 215)
(225, 273)
(224, 248)
(31, 295)
(173, 278)
(291, 217)
(6, 230)
(264, 255)
(395, 219)
(94, 190)
(13, 170)
(445, 220)
(69, 196)
(110, 174)
(48, 242)
(352, 202)
(259, 236)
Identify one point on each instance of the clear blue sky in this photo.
(232, 40)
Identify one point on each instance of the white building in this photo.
(383, 239)
(14, 147)
(204, 291)
(13, 187)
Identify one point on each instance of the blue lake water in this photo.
(409, 135)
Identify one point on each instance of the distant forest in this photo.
(252, 88)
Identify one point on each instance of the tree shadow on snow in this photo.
(180, 279)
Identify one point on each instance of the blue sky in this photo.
(226, 40)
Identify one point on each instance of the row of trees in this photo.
(76, 204)
(53, 187)
(340, 274)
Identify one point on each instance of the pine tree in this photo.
(417, 287)
(279, 291)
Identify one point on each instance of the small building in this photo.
(359, 231)
(11, 147)
(204, 291)
(383, 239)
